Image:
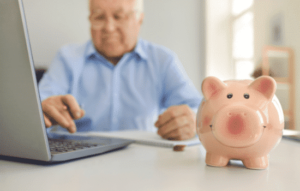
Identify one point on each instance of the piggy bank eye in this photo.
(246, 96)
(229, 96)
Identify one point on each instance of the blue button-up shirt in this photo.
(129, 95)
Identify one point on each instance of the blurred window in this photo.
(242, 38)
(238, 6)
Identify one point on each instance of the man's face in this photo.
(114, 26)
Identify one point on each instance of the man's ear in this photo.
(265, 85)
(141, 18)
(212, 86)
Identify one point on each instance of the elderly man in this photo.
(120, 81)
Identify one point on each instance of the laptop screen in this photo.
(22, 131)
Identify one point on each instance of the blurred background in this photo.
(229, 39)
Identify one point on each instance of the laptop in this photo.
(22, 128)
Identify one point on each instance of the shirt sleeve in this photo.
(57, 79)
(178, 89)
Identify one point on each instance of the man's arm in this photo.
(58, 106)
(181, 99)
(57, 79)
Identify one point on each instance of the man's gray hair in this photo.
(139, 5)
(139, 8)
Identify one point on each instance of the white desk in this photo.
(140, 167)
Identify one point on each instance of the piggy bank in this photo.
(240, 120)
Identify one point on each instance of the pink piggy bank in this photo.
(239, 120)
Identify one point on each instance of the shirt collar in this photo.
(91, 50)
(139, 49)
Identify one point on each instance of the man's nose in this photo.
(110, 25)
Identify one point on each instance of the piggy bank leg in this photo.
(256, 163)
(216, 160)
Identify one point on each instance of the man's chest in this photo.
(138, 83)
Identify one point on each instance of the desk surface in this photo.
(140, 167)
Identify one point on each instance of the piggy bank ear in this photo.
(212, 86)
(265, 85)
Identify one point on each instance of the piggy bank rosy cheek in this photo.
(236, 130)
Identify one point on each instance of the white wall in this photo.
(176, 24)
(53, 23)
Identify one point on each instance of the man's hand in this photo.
(62, 110)
(177, 123)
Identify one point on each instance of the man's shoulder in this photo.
(156, 50)
(74, 49)
(73, 55)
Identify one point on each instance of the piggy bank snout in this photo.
(236, 123)
(237, 126)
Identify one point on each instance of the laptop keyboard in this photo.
(69, 145)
